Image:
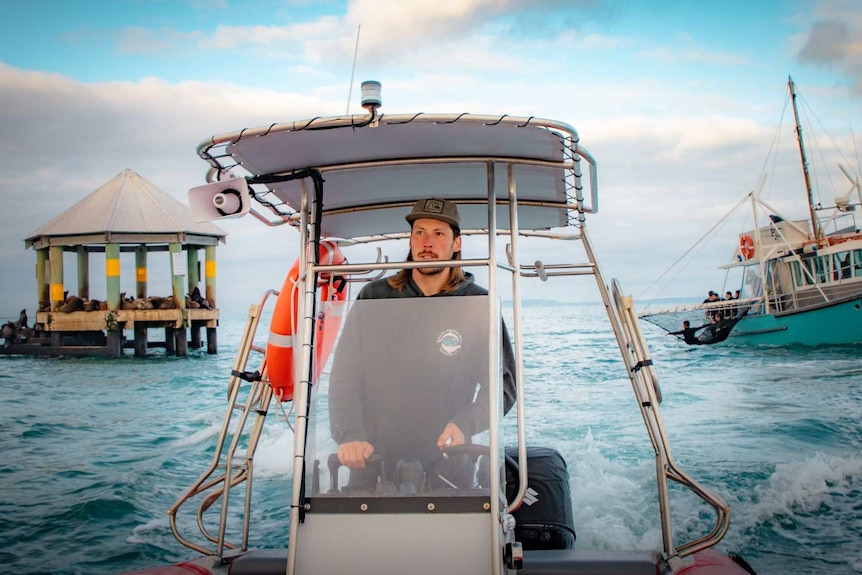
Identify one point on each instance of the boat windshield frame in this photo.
(401, 369)
(494, 168)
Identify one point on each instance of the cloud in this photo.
(664, 178)
(834, 40)
(415, 32)
(828, 41)
(674, 153)
(62, 139)
(145, 41)
(277, 37)
(690, 55)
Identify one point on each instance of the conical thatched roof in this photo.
(127, 209)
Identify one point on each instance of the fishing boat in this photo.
(344, 184)
(801, 279)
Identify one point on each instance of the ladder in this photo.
(249, 398)
(646, 388)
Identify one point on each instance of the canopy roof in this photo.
(127, 209)
(372, 171)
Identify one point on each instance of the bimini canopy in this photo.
(370, 172)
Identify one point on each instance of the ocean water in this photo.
(94, 451)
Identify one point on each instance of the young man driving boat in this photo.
(356, 409)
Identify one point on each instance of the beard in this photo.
(427, 271)
(430, 271)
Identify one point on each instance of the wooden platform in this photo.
(102, 333)
(101, 320)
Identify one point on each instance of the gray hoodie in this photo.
(380, 289)
(363, 407)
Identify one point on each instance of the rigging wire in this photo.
(770, 162)
(813, 143)
(770, 165)
(835, 145)
(353, 68)
(709, 233)
(772, 153)
(809, 112)
(856, 151)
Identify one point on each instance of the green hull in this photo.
(839, 323)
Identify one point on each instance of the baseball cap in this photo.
(435, 209)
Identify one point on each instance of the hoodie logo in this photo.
(450, 342)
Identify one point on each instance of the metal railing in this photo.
(228, 469)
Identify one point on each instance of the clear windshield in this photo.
(406, 402)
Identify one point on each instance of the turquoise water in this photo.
(95, 451)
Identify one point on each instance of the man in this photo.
(688, 333)
(435, 236)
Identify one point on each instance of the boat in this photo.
(343, 184)
(800, 279)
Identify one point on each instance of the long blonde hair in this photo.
(456, 274)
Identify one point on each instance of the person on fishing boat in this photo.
(356, 406)
(688, 333)
(729, 311)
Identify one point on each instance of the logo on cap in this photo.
(434, 206)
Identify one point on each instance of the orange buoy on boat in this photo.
(746, 247)
(279, 349)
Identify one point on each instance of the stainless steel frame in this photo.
(619, 309)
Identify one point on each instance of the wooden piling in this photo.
(114, 346)
(195, 329)
(210, 275)
(83, 258)
(212, 340)
(182, 340)
(141, 271)
(140, 340)
(170, 340)
(56, 257)
(112, 274)
(43, 281)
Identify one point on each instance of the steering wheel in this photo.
(475, 450)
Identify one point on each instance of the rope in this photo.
(707, 234)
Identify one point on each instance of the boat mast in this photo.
(814, 223)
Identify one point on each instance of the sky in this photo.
(679, 102)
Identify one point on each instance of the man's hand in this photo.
(354, 453)
(451, 435)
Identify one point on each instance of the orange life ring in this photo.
(746, 247)
(279, 349)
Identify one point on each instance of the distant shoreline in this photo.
(640, 303)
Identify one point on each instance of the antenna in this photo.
(856, 151)
(353, 69)
(842, 203)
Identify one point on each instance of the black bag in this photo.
(545, 519)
